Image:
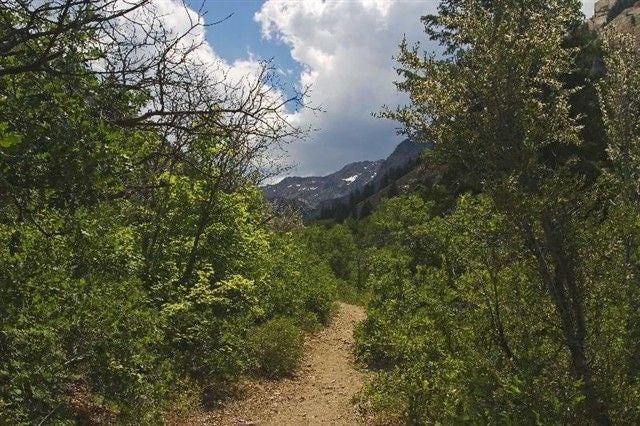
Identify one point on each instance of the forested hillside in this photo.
(140, 267)
(506, 291)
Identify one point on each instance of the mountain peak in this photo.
(312, 192)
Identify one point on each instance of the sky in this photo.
(343, 48)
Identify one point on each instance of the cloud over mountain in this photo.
(346, 49)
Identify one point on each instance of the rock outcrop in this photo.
(617, 15)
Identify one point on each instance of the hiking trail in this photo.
(320, 393)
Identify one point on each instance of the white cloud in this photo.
(181, 20)
(346, 49)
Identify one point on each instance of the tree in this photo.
(135, 251)
(498, 110)
(620, 101)
(393, 189)
(366, 209)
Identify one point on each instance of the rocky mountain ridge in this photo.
(313, 193)
(313, 190)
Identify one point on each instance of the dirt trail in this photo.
(319, 394)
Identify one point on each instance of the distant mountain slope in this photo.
(310, 192)
(402, 171)
(407, 151)
(354, 182)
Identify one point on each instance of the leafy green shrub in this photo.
(207, 330)
(66, 349)
(320, 292)
(309, 322)
(185, 398)
(277, 346)
(427, 326)
(351, 294)
(298, 281)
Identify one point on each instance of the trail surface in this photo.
(319, 394)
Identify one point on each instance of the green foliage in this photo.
(277, 346)
(349, 293)
(299, 281)
(337, 245)
(8, 139)
(206, 330)
(135, 260)
(62, 334)
(309, 322)
(511, 296)
(463, 336)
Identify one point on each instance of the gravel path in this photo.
(319, 394)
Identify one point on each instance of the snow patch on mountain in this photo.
(311, 192)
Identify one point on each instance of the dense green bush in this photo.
(446, 341)
(513, 298)
(309, 322)
(298, 281)
(206, 331)
(135, 257)
(466, 335)
(121, 347)
(277, 346)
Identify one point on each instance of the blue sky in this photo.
(240, 36)
(343, 49)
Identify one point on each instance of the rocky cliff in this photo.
(618, 15)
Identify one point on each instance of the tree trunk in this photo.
(558, 273)
(200, 227)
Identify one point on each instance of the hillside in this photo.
(309, 192)
(353, 183)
